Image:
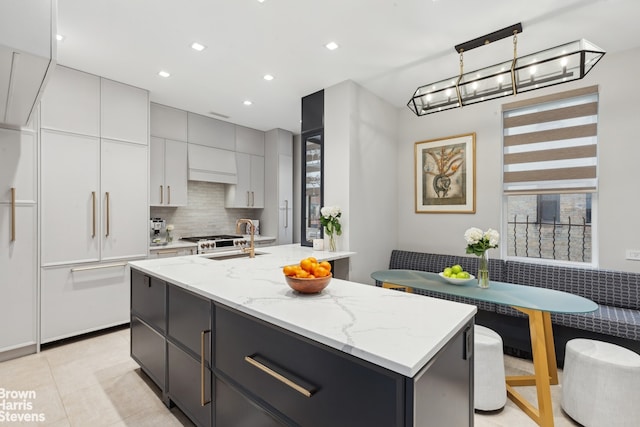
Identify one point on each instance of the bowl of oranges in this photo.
(309, 276)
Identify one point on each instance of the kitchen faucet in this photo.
(252, 230)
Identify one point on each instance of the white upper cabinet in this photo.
(211, 132)
(249, 141)
(168, 175)
(71, 198)
(248, 192)
(17, 166)
(71, 102)
(169, 123)
(125, 112)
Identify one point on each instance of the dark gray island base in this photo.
(225, 368)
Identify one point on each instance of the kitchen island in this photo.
(231, 344)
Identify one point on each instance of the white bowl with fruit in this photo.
(456, 275)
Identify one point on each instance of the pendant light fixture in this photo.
(560, 64)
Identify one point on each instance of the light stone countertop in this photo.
(396, 330)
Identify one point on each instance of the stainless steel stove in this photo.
(217, 243)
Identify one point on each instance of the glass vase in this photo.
(332, 243)
(483, 270)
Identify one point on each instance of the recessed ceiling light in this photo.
(164, 74)
(59, 37)
(331, 45)
(260, 1)
(197, 46)
(268, 77)
(247, 102)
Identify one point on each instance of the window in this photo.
(550, 175)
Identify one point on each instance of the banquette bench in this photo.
(617, 294)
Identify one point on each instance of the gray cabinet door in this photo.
(148, 349)
(189, 318)
(234, 409)
(313, 385)
(148, 299)
(188, 388)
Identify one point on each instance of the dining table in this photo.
(537, 303)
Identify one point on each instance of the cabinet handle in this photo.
(161, 194)
(93, 203)
(13, 214)
(168, 194)
(286, 214)
(202, 368)
(264, 368)
(168, 251)
(98, 267)
(248, 199)
(253, 199)
(108, 213)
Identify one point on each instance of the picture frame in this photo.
(445, 175)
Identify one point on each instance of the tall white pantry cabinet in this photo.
(18, 242)
(94, 200)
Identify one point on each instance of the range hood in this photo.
(212, 164)
(27, 57)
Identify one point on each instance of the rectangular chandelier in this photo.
(560, 64)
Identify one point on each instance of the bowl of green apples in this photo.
(456, 275)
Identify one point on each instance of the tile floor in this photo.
(93, 382)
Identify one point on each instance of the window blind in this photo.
(550, 143)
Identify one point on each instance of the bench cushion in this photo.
(606, 287)
(614, 321)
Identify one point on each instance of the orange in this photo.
(289, 270)
(307, 265)
(320, 271)
(326, 264)
(302, 274)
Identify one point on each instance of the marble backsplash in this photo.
(205, 214)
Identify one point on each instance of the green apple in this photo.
(463, 275)
(456, 269)
(447, 272)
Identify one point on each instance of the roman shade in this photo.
(550, 143)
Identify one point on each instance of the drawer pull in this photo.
(98, 267)
(203, 401)
(13, 214)
(168, 251)
(93, 204)
(264, 368)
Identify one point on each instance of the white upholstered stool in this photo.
(490, 392)
(601, 384)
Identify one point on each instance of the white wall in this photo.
(360, 157)
(619, 151)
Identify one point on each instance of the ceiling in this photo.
(389, 47)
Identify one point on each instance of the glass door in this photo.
(312, 180)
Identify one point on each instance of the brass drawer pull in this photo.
(264, 368)
(108, 212)
(13, 214)
(202, 368)
(93, 203)
(98, 267)
(168, 251)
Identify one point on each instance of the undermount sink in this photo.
(221, 257)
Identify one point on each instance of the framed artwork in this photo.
(445, 175)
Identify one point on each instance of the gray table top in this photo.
(528, 297)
